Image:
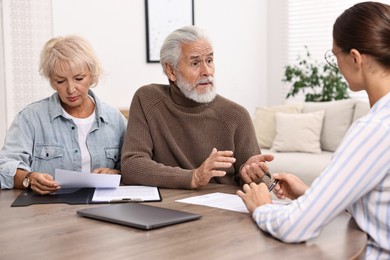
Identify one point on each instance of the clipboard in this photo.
(75, 196)
(67, 196)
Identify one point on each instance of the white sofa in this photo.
(303, 136)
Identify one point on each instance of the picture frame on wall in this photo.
(163, 17)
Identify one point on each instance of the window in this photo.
(310, 23)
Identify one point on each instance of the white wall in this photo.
(116, 29)
(239, 30)
(26, 26)
(3, 112)
(276, 52)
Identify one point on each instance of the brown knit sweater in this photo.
(168, 136)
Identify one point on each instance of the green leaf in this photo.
(319, 82)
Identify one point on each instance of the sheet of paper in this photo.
(218, 200)
(134, 193)
(222, 201)
(72, 179)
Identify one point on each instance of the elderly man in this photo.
(184, 135)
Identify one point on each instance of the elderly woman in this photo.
(72, 129)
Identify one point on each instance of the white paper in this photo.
(218, 200)
(132, 193)
(222, 200)
(72, 179)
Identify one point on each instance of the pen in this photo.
(273, 185)
(124, 200)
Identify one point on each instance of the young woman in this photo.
(358, 177)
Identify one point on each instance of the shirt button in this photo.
(76, 151)
(73, 127)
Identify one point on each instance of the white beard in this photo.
(190, 91)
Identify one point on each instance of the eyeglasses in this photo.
(331, 59)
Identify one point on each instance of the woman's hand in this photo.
(255, 195)
(289, 186)
(43, 183)
(106, 171)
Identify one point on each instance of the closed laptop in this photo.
(138, 215)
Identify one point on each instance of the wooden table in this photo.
(55, 231)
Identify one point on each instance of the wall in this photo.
(26, 26)
(276, 52)
(3, 125)
(116, 30)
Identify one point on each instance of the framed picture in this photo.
(163, 17)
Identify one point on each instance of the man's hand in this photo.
(255, 168)
(255, 195)
(210, 168)
(289, 186)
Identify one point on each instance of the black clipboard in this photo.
(70, 196)
(67, 196)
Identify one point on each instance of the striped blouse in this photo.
(357, 179)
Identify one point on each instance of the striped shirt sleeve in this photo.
(356, 179)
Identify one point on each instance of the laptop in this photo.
(138, 215)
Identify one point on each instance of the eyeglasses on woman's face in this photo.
(331, 59)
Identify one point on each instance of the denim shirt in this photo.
(41, 139)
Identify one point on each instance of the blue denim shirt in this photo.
(41, 139)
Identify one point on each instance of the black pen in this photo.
(124, 200)
(273, 185)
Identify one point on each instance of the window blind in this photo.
(310, 23)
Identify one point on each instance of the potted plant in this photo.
(319, 82)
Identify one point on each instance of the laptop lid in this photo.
(138, 215)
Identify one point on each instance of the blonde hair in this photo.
(72, 51)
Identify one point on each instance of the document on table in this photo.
(72, 179)
(218, 200)
(127, 194)
(222, 201)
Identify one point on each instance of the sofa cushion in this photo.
(264, 122)
(362, 107)
(298, 132)
(307, 166)
(338, 118)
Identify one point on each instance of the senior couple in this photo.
(181, 135)
(184, 135)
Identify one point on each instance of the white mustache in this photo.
(209, 80)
